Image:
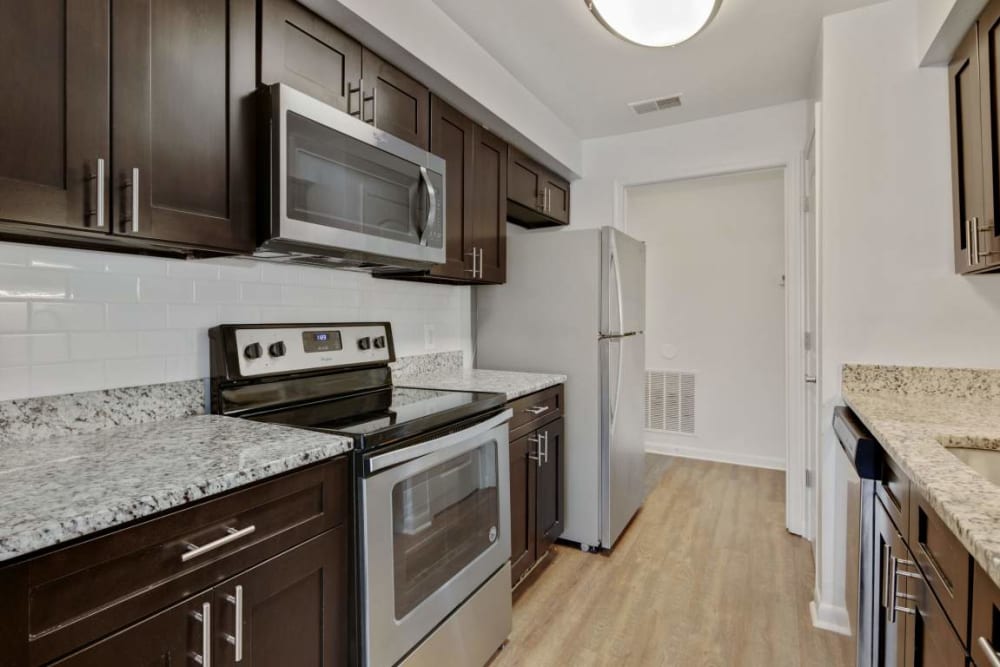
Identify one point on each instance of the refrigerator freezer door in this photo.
(623, 283)
(623, 465)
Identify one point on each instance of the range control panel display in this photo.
(321, 341)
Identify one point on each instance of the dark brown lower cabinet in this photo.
(536, 478)
(890, 628)
(277, 592)
(984, 634)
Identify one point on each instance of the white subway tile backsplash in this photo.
(195, 316)
(158, 289)
(67, 316)
(50, 379)
(13, 316)
(74, 320)
(132, 372)
(15, 382)
(108, 288)
(89, 345)
(136, 316)
(33, 284)
(216, 291)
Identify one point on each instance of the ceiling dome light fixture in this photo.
(654, 22)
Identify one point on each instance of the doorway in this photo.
(715, 315)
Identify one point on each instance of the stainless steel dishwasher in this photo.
(861, 460)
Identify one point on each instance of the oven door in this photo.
(435, 527)
(348, 188)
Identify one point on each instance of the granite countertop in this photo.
(511, 383)
(913, 427)
(58, 489)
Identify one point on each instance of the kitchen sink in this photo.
(984, 461)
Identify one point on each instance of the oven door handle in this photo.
(389, 459)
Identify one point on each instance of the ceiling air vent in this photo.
(658, 104)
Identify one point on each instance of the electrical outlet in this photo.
(428, 336)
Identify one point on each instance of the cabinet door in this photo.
(989, 63)
(303, 50)
(54, 117)
(172, 638)
(985, 625)
(489, 207)
(930, 638)
(393, 101)
(453, 137)
(549, 503)
(182, 121)
(966, 151)
(556, 198)
(523, 474)
(890, 628)
(294, 607)
(524, 180)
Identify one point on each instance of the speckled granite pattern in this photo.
(73, 485)
(422, 364)
(86, 412)
(954, 382)
(505, 382)
(913, 421)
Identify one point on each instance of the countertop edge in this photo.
(467, 380)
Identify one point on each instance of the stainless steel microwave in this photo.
(343, 193)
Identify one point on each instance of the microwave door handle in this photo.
(431, 204)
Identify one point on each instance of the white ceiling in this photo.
(756, 53)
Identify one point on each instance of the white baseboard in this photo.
(735, 458)
(828, 617)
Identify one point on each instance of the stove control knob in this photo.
(276, 349)
(365, 343)
(253, 351)
(379, 342)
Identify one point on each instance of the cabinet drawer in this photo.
(943, 560)
(894, 491)
(83, 592)
(533, 410)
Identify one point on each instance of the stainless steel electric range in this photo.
(432, 490)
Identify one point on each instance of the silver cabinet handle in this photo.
(972, 245)
(98, 211)
(134, 213)
(373, 98)
(231, 536)
(537, 409)
(886, 569)
(538, 457)
(548, 200)
(480, 263)
(545, 446)
(236, 639)
(895, 595)
(205, 618)
(475, 266)
(980, 253)
(350, 91)
(991, 654)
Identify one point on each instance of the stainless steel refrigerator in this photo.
(574, 303)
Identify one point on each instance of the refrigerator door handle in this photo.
(617, 275)
(617, 343)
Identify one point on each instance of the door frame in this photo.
(797, 519)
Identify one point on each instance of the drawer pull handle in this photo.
(537, 410)
(991, 654)
(231, 536)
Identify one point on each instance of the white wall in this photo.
(715, 307)
(889, 291)
(74, 320)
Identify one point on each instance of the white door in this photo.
(810, 256)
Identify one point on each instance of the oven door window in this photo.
(337, 181)
(443, 518)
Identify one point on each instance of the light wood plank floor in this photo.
(705, 575)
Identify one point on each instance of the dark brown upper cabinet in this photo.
(301, 49)
(54, 120)
(974, 93)
(537, 197)
(475, 200)
(181, 76)
(394, 102)
(183, 133)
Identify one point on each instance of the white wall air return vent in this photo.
(670, 402)
(657, 104)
